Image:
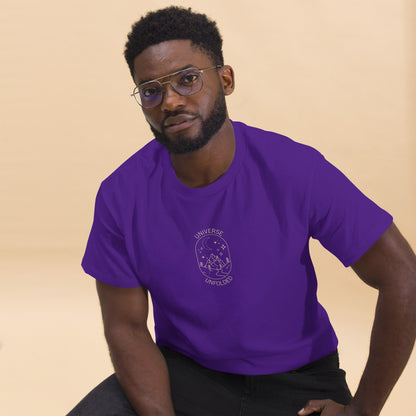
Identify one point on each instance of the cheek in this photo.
(151, 119)
(207, 102)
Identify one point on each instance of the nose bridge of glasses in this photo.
(164, 87)
(170, 97)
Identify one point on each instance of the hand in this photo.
(327, 408)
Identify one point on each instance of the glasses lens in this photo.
(150, 94)
(187, 82)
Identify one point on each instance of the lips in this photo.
(179, 122)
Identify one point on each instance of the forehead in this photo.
(167, 57)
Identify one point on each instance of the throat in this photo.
(207, 165)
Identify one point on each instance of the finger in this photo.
(313, 406)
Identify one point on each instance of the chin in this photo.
(183, 144)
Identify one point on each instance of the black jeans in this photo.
(199, 391)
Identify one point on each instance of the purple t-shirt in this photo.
(228, 265)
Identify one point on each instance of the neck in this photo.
(206, 165)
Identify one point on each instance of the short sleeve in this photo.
(341, 217)
(106, 257)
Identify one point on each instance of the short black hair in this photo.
(173, 23)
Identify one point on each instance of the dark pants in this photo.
(199, 391)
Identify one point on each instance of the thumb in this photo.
(314, 406)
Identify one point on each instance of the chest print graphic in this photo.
(213, 257)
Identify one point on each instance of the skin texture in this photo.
(202, 167)
(209, 126)
(389, 266)
(139, 365)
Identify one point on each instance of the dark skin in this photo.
(389, 266)
(206, 165)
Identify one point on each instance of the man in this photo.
(213, 218)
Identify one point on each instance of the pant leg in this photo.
(196, 391)
(107, 399)
(285, 394)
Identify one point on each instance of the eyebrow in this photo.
(164, 76)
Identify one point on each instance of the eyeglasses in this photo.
(185, 82)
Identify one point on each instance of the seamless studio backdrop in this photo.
(337, 75)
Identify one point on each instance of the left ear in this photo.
(226, 74)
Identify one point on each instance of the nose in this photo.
(171, 100)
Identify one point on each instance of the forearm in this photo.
(392, 340)
(142, 371)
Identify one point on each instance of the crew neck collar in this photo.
(174, 183)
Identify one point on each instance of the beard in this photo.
(183, 144)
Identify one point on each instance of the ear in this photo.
(226, 74)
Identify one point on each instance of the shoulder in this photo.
(135, 171)
(277, 150)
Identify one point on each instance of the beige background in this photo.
(338, 75)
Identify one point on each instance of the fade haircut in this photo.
(173, 23)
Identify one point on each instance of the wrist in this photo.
(362, 409)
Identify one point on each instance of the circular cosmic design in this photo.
(213, 257)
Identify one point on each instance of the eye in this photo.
(150, 91)
(189, 79)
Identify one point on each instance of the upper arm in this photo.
(123, 306)
(390, 261)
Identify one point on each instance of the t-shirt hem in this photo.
(108, 280)
(259, 364)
